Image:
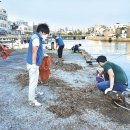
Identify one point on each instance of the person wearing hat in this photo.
(112, 77)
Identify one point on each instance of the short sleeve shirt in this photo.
(120, 76)
(35, 40)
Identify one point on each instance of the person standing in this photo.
(34, 60)
(112, 77)
(59, 44)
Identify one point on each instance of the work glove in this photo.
(45, 54)
(107, 90)
(33, 67)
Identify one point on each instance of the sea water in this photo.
(117, 52)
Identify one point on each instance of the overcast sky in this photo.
(69, 13)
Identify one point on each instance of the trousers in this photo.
(60, 51)
(102, 85)
(33, 82)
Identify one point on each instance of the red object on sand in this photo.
(1, 48)
(4, 51)
(44, 69)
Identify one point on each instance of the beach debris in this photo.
(4, 51)
(58, 64)
(22, 79)
(115, 96)
(77, 101)
(118, 99)
(55, 82)
(61, 111)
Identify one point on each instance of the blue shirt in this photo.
(39, 52)
(59, 41)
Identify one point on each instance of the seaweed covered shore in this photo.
(71, 100)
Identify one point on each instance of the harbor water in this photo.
(116, 52)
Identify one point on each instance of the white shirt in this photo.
(35, 42)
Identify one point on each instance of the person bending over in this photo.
(59, 45)
(76, 48)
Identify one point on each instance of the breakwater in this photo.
(108, 39)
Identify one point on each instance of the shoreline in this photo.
(70, 98)
(107, 39)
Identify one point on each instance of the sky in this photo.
(69, 13)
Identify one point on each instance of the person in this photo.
(59, 44)
(76, 48)
(52, 46)
(34, 60)
(112, 77)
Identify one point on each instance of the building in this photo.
(99, 29)
(25, 30)
(21, 22)
(3, 22)
(118, 25)
(108, 32)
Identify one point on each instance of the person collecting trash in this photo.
(75, 48)
(112, 77)
(34, 60)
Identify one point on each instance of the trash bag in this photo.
(44, 69)
(5, 54)
(4, 51)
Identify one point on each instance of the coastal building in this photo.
(25, 29)
(108, 32)
(124, 33)
(3, 21)
(99, 29)
(120, 30)
(21, 22)
(118, 25)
